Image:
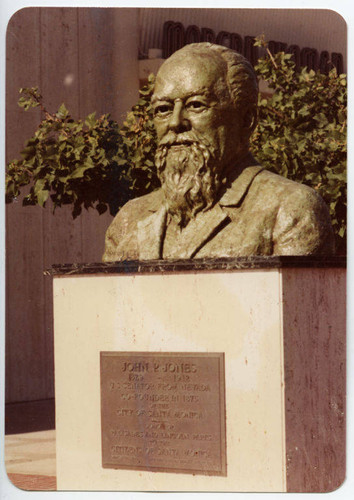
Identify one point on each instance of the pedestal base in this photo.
(282, 332)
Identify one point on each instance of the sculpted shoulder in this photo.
(121, 240)
(137, 209)
(150, 202)
(282, 185)
(302, 224)
(287, 194)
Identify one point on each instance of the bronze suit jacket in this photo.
(260, 213)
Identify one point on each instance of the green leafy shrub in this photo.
(85, 163)
(97, 163)
(302, 131)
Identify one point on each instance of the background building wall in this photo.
(88, 59)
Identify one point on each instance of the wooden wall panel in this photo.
(76, 56)
(25, 353)
(108, 68)
(125, 60)
(59, 84)
(59, 58)
(95, 50)
(95, 61)
(94, 227)
(108, 61)
(22, 70)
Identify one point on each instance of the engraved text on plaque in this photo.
(163, 412)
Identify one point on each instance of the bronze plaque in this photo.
(163, 412)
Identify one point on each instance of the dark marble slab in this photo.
(227, 264)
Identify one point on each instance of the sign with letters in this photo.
(163, 412)
(176, 36)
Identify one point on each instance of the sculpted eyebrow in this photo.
(156, 98)
(199, 92)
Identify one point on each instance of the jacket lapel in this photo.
(206, 224)
(239, 188)
(201, 229)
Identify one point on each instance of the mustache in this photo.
(187, 138)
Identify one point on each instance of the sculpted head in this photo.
(205, 109)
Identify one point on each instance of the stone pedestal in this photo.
(279, 326)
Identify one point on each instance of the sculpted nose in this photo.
(178, 121)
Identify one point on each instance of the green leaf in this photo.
(101, 208)
(91, 120)
(79, 172)
(42, 197)
(62, 112)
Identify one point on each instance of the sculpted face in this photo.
(191, 96)
(198, 130)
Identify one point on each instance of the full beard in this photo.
(187, 170)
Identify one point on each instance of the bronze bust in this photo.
(214, 200)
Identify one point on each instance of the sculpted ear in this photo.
(250, 119)
(249, 123)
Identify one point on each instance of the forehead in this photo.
(180, 77)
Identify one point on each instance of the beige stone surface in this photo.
(31, 453)
(238, 313)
